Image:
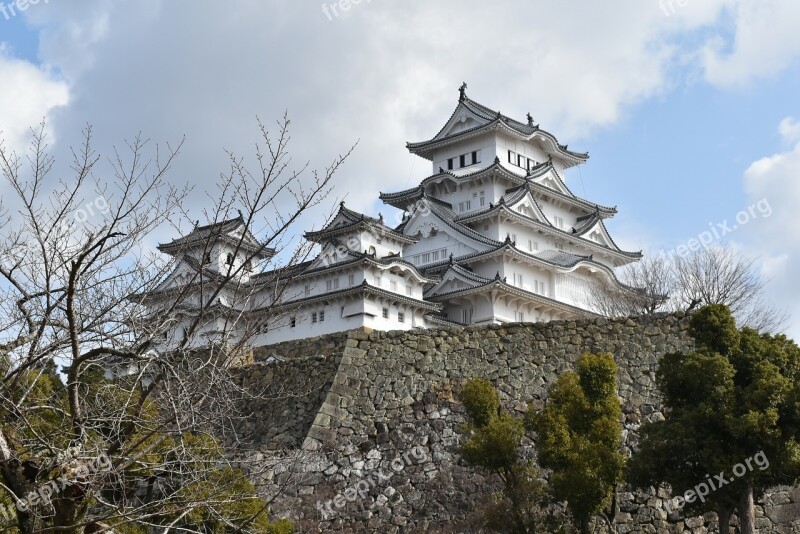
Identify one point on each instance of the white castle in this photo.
(494, 235)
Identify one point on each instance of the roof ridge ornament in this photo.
(451, 259)
(497, 160)
(462, 92)
(530, 119)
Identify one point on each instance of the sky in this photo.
(689, 108)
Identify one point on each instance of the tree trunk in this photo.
(724, 515)
(747, 515)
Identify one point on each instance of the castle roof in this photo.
(231, 231)
(403, 199)
(348, 221)
(487, 119)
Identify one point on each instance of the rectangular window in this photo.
(393, 285)
(521, 161)
(463, 160)
(466, 316)
(314, 317)
(559, 246)
(512, 158)
(558, 222)
(519, 317)
(426, 258)
(517, 280)
(386, 313)
(435, 255)
(468, 204)
(460, 206)
(408, 290)
(475, 157)
(292, 322)
(483, 198)
(444, 253)
(377, 281)
(351, 280)
(539, 287)
(450, 164)
(330, 285)
(308, 290)
(322, 316)
(531, 164)
(401, 317)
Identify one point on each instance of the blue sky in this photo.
(687, 107)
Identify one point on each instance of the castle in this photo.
(492, 236)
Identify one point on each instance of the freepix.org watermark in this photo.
(704, 489)
(11, 9)
(716, 231)
(669, 7)
(334, 9)
(361, 488)
(42, 497)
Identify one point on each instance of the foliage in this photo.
(494, 443)
(732, 398)
(579, 437)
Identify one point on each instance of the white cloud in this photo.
(790, 130)
(777, 238)
(761, 41)
(29, 94)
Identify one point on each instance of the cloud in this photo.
(789, 130)
(29, 94)
(760, 41)
(777, 239)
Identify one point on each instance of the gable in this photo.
(463, 119)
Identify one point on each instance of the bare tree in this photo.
(80, 452)
(712, 275)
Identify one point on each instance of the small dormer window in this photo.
(229, 259)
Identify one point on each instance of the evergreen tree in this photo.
(732, 419)
(580, 438)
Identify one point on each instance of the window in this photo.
(292, 321)
(401, 317)
(426, 258)
(393, 285)
(308, 290)
(322, 316)
(559, 246)
(468, 204)
(341, 312)
(386, 313)
(417, 259)
(248, 266)
(475, 157)
(521, 161)
(408, 290)
(512, 158)
(450, 164)
(558, 222)
(228, 259)
(531, 164)
(466, 316)
(330, 285)
(517, 280)
(444, 253)
(519, 317)
(539, 287)
(351, 279)
(512, 237)
(485, 227)
(314, 317)
(463, 160)
(483, 198)
(475, 195)
(376, 281)
(435, 255)
(207, 259)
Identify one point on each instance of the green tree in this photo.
(732, 419)
(494, 443)
(580, 438)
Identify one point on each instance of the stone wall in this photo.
(381, 454)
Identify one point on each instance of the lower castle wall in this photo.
(382, 434)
